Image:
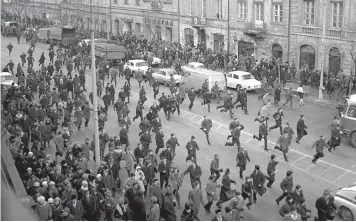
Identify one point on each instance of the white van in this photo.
(197, 77)
(6, 79)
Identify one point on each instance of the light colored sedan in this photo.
(164, 75)
(155, 60)
(137, 65)
(242, 79)
(345, 201)
(192, 66)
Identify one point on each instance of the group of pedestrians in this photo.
(49, 107)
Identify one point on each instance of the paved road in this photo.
(336, 170)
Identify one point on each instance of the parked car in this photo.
(6, 80)
(164, 75)
(137, 65)
(345, 201)
(242, 79)
(192, 66)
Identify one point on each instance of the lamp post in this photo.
(321, 96)
(95, 96)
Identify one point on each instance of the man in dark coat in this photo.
(192, 147)
(325, 206)
(138, 209)
(168, 210)
(241, 159)
(258, 179)
(286, 186)
(271, 171)
(195, 173)
(301, 129)
(163, 169)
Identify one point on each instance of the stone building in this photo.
(257, 27)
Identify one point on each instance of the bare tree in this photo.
(17, 7)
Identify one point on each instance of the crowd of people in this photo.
(50, 104)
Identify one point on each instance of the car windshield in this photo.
(248, 76)
(351, 112)
(142, 64)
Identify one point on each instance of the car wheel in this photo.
(134, 74)
(353, 139)
(345, 214)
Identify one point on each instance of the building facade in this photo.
(253, 27)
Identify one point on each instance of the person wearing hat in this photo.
(218, 216)
(289, 130)
(206, 126)
(243, 101)
(188, 213)
(228, 105)
(215, 167)
(156, 191)
(271, 171)
(247, 191)
(76, 207)
(319, 146)
(195, 198)
(225, 188)
(154, 212)
(163, 169)
(289, 98)
(144, 126)
(293, 215)
(298, 195)
(138, 207)
(168, 209)
(286, 186)
(262, 133)
(258, 179)
(173, 142)
(287, 206)
(236, 205)
(283, 145)
(210, 193)
(241, 160)
(191, 95)
(155, 87)
(195, 173)
(301, 129)
(159, 140)
(277, 95)
(146, 140)
(66, 215)
(278, 116)
(192, 147)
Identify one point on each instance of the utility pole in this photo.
(289, 28)
(95, 96)
(110, 12)
(321, 96)
(228, 35)
(178, 22)
(108, 23)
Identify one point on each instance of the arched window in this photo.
(277, 51)
(334, 60)
(307, 57)
(189, 36)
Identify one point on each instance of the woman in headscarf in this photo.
(140, 177)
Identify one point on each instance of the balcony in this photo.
(255, 29)
(318, 32)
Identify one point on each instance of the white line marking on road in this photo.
(338, 178)
(311, 166)
(192, 117)
(249, 140)
(219, 127)
(326, 171)
(294, 162)
(199, 121)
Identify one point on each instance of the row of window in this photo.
(277, 10)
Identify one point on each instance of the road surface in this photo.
(333, 171)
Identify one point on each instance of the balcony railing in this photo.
(331, 33)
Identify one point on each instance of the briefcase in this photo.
(230, 194)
